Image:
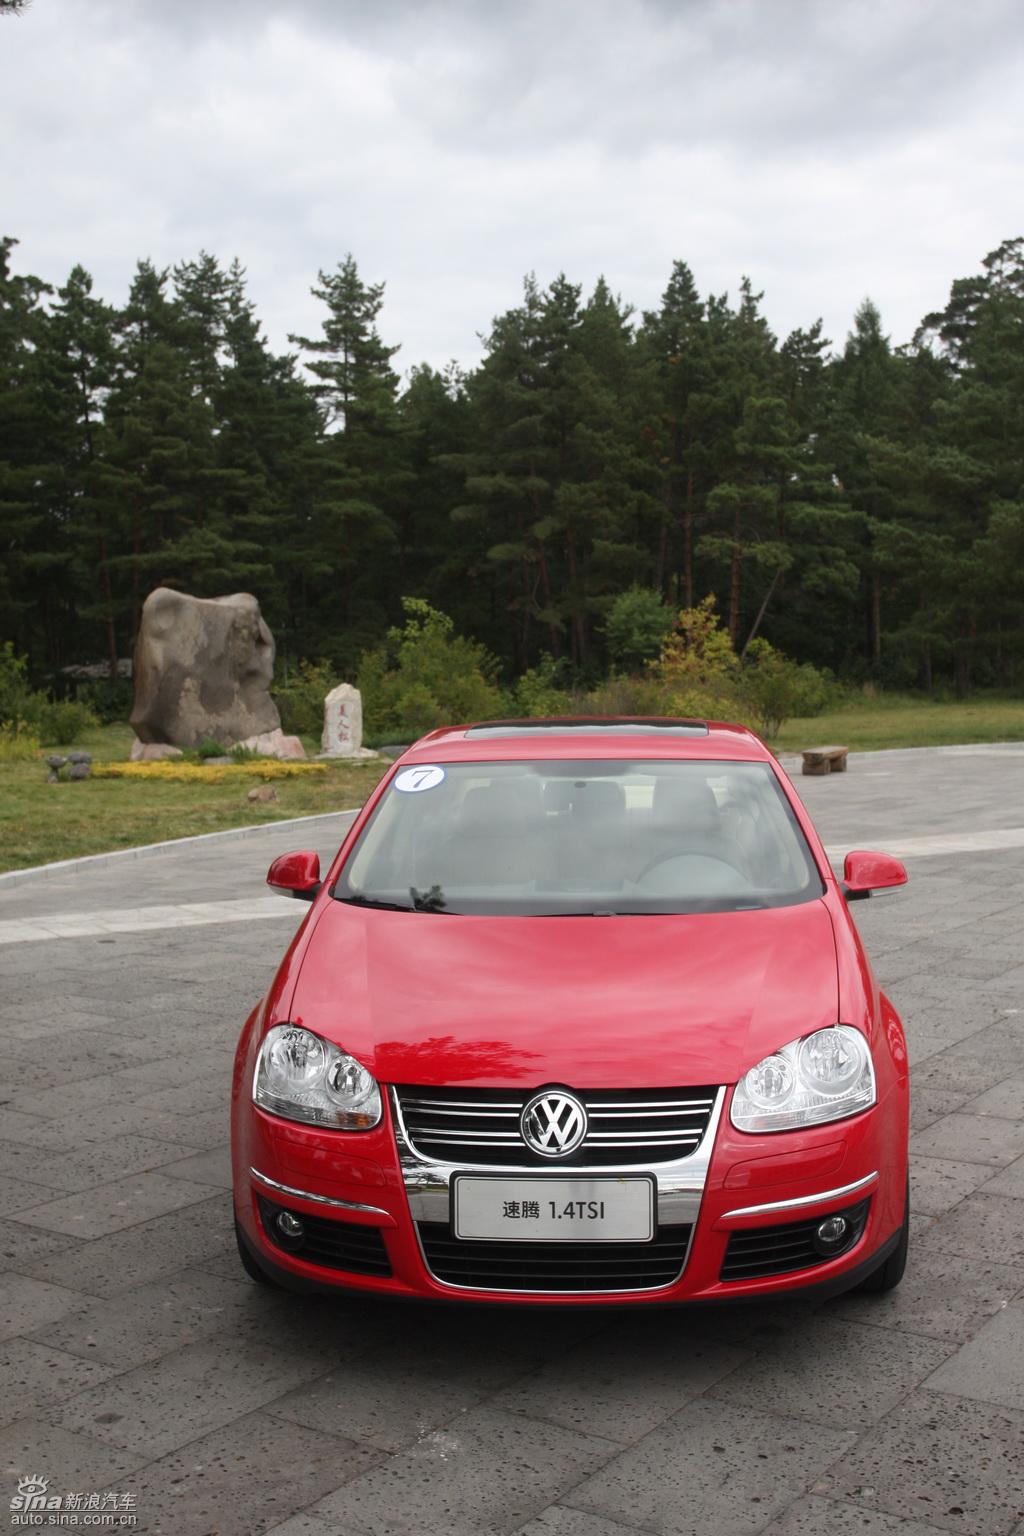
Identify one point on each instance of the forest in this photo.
(860, 505)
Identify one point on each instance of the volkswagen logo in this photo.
(553, 1123)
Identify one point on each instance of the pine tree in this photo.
(358, 473)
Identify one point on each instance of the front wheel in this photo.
(890, 1272)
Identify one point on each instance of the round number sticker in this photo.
(411, 780)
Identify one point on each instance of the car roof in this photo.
(606, 736)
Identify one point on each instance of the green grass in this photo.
(902, 720)
(40, 822)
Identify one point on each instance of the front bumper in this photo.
(734, 1184)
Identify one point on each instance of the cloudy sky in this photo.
(829, 148)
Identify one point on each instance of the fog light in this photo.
(289, 1229)
(831, 1234)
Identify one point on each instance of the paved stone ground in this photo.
(136, 1356)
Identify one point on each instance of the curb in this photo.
(145, 850)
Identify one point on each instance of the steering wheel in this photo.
(664, 858)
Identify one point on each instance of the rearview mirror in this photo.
(866, 872)
(296, 873)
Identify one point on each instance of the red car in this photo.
(578, 1015)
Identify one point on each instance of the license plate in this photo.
(602, 1209)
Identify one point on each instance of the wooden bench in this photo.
(818, 760)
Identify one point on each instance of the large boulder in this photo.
(203, 668)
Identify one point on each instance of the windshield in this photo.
(550, 838)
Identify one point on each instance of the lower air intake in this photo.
(334, 1244)
(760, 1252)
(555, 1267)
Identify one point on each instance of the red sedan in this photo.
(578, 1015)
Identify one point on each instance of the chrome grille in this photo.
(481, 1126)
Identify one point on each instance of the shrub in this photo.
(210, 747)
(775, 688)
(635, 629)
(56, 722)
(639, 694)
(425, 675)
(18, 744)
(697, 671)
(60, 722)
(16, 696)
(300, 700)
(110, 699)
(538, 692)
(700, 674)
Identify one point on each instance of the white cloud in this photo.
(827, 150)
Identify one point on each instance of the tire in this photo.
(249, 1264)
(890, 1272)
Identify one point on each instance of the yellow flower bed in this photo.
(173, 771)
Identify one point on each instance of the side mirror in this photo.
(298, 874)
(866, 872)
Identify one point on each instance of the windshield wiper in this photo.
(380, 906)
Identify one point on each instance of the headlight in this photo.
(824, 1076)
(302, 1077)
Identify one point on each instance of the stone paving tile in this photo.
(152, 1320)
(942, 1295)
(210, 1167)
(161, 1406)
(34, 1376)
(17, 1192)
(930, 1104)
(112, 1207)
(990, 1366)
(110, 1266)
(240, 1479)
(868, 1371)
(21, 1161)
(972, 1138)
(193, 1098)
(306, 1525)
(393, 1394)
(988, 1057)
(74, 1463)
(559, 1521)
(486, 1471)
(949, 1462)
(982, 1225)
(626, 1381)
(712, 1467)
(101, 1120)
(18, 1129)
(1006, 1098)
(20, 1246)
(1008, 1181)
(813, 1517)
(105, 1162)
(26, 1303)
(939, 1183)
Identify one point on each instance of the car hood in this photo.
(590, 1002)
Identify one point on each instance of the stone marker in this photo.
(274, 744)
(79, 765)
(152, 751)
(343, 722)
(55, 764)
(203, 667)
